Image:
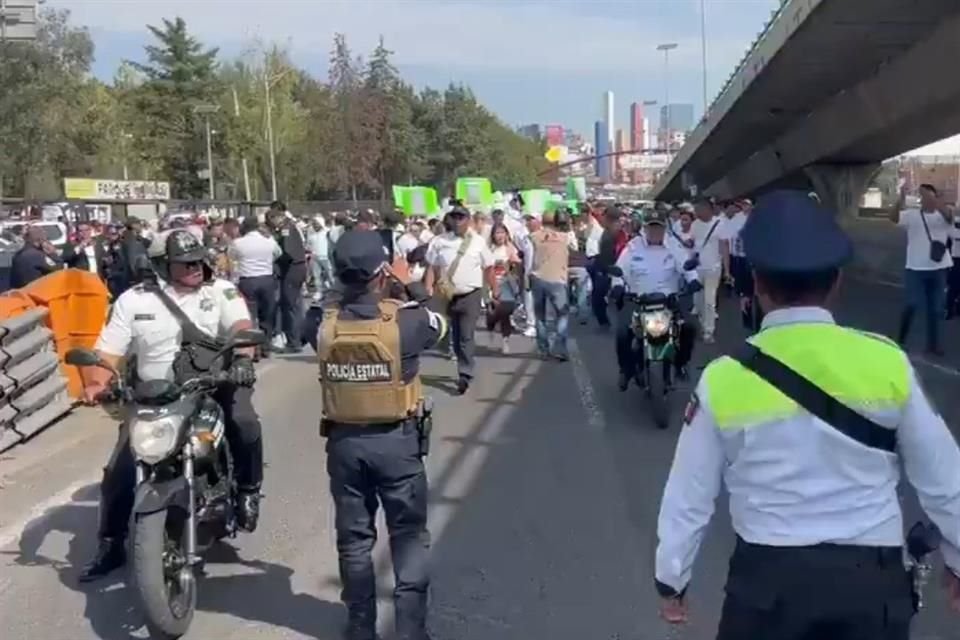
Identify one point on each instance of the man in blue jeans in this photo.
(928, 259)
(548, 281)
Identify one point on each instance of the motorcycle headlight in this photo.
(656, 324)
(154, 440)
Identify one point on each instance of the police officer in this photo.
(650, 264)
(143, 323)
(377, 430)
(35, 259)
(292, 273)
(812, 475)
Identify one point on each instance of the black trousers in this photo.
(816, 593)
(600, 283)
(953, 289)
(260, 293)
(628, 360)
(463, 312)
(120, 475)
(502, 316)
(291, 302)
(370, 466)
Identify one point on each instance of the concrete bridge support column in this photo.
(842, 185)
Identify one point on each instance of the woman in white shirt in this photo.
(506, 261)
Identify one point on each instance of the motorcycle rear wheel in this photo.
(658, 394)
(167, 602)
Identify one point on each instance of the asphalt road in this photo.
(546, 482)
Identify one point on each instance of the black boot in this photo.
(361, 625)
(906, 319)
(248, 509)
(623, 381)
(111, 555)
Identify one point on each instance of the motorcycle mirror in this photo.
(80, 357)
(615, 271)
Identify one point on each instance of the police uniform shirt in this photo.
(291, 243)
(732, 227)
(918, 245)
(652, 268)
(795, 481)
(142, 325)
(707, 244)
(469, 274)
(253, 255)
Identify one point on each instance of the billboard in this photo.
(93, 189)
(555, 135)
(18, 19)
(653, 161)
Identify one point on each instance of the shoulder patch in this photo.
(435, 320)
(413, 304)
(693, 407)
(231, 293)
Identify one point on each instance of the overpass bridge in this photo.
(830, 89)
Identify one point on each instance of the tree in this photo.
(350, 145)
(180, 76)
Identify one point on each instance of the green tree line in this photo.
(354, 134)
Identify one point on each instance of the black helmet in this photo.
(183, 246)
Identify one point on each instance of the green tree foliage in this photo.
(355, 134)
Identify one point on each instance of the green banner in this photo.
(577, 189)
(535, 200)
(419, 201)
(474, 191)
(398, 196)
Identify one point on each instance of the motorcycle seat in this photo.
(650, 299)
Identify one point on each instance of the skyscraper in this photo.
(603, 148)
(636, 126)
(608, 110)
(554, 135)
(645, 142)
(676, 117)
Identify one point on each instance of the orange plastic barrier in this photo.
(77, 301)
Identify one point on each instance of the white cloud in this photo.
(946, 147)
(463, 36)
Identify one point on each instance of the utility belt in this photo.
(421, 419)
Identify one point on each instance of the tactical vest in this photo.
(360, 369)
(867, 372)
(551, 255)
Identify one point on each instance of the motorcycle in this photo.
(186, 495)
(655, 331)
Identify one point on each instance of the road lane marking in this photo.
(588, 398)
(942, 368)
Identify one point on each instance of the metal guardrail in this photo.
(33, 391)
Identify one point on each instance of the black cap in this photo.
(458, 212)
(789, 232)
(359, 256)
(652, 216)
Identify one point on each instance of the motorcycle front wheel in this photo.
(163, 579)
(657, 393)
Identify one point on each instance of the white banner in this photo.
(634, 161)
(93, 189)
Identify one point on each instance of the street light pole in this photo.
(206, 110)
(667, 47)
(703, 51)
(273, 159)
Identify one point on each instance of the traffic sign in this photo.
(18, 20)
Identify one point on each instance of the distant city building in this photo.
(623, 144)
(609, 118)
(648, 136)
(554, 135)
(602, 148)
(676, 117)
(531, 131)
(638, 129)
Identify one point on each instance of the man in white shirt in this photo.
(649, 265)
(462, 259)
(928, 260)
(253, 256)
(318, 245)
(735, 262)
(953, 277)
(707, 235)
(532, 224)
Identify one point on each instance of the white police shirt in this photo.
(141, 325)
(706, 242)
(787, 492)
(732, 228)
(469, 274)
(649, 268)
(254, 254)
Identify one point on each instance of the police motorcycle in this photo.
(186, 495)
(656, 323)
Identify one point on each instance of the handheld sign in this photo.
(577, 188)
(474, 191)
(535, 200)
(419, 201)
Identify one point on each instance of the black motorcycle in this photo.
(186, 496)
(655, 325)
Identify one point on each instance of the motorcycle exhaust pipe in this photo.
(192, 557)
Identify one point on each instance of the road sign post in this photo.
(18, 20)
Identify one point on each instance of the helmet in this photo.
(183, 246)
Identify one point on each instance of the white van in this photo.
(56, 232)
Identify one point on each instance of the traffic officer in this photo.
(648, 265)
(377, 428)
(813, 500)
(143, 324)
(292, 273)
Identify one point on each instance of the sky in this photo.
(530, 61)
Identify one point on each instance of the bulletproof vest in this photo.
(550, 255)
(360, 369)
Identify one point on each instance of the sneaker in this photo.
(505, 346)
(530, 332)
